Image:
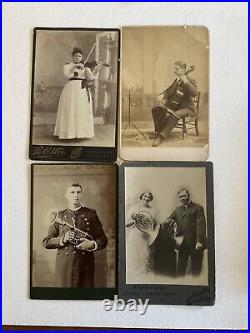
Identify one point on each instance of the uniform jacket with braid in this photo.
(75, 268)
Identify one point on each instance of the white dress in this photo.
(75, 112)
(138, 241)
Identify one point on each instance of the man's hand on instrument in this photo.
(178, 240)
(86, 245)
(198, 246)
(68, 236)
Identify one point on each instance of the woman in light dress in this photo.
(141, 230)
(75, 112)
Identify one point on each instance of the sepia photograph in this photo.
(164, 93)
(168, 225)
(74, 92)
(73, 234)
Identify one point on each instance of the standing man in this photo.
(190, 234)
(179, 99)
(76, 232)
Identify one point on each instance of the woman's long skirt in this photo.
(75, 113)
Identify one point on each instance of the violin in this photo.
(87, 64)
(94, 63)
(91, 64)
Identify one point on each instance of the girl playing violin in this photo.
(75, 109)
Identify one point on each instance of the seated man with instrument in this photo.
(178, 103)
(76, 232)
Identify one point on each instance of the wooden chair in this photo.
(188, 123)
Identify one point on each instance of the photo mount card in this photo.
(165, 93)
(166, 246)
(59, 268)
(74, 94)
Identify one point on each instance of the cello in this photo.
(173, 98)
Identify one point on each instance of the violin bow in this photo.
(89, 54)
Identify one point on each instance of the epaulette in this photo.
(62, 212)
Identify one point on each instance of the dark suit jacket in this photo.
(75, 268)
(189, 89)
(191, 224)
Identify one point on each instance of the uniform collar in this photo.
(75, 210)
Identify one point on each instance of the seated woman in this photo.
(142, 229)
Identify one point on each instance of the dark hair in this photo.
(75, 185)
(150, 194)
(181, 64)
(184, 190)
(77, 50)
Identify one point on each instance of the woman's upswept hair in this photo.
(150, 194)
(77, 50)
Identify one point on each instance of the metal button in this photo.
(66, 248)
(85, 219)
(67, 253)
(87, 223)
(74, 252)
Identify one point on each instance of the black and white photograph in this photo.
(74, 94)
(164, 93)
(168, 225)
(73, 234)
(133, 116)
